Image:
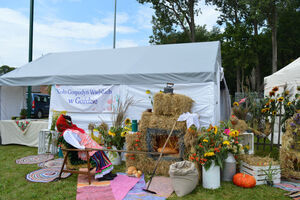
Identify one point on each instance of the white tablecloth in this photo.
(11, 134)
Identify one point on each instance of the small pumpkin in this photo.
(244, 180)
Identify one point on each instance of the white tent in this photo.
(194, 68)
(289, 76)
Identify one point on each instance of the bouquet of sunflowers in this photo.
(115, 136)
(214, 144)
(210, 148)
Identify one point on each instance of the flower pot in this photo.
(211, 177)
(114, 157)
(229, 169)
(270, 183)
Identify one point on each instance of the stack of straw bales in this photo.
(166, 110)
(290, 157)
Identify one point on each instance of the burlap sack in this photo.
(184, 176)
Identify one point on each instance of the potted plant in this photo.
(23, 113)
(269, 174)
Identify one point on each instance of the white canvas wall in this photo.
(202, 93)
(12, 100)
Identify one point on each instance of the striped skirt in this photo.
(103, 164)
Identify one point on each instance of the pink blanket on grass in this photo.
(116, 189)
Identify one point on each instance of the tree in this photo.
(171, 14)
(5, 69)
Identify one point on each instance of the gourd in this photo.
(244, 180)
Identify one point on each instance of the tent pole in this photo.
(115, 20)
(29, 108)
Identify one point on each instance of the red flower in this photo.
(197, 158)
(137, 140)
(236, 142)
(136, 144)
(192, 158)
(194, 154)
(108, 147)
(132, 158)
(139, 148)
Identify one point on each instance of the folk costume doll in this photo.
(79, 139)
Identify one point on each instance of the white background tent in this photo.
(194, 68)
(12, 100)
(288, 76)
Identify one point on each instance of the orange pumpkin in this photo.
(244, 180)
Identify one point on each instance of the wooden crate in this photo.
(258, 174)
(247, 139)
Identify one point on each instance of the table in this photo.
(10, 133)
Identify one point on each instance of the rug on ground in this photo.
(45, 175)
(34, 159)
(116, 189)
(52, 163)
(288, 186)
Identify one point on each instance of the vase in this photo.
(211, 177)
(229, 169)
(114, 157)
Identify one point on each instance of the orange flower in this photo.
(272, 93)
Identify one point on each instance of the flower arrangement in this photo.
(214, 143)
(210, 148)
(114, 136)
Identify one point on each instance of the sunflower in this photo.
(215, 129)
(274, 112)
(289, 103)
(148, 92)
(208, 154)
(286, 92)
(272, 93)
(123, 134)
(236, 104)
(226, 142)
(271, 100)
(263, 110)
(267, 104)
(205, 140)
(111, 133)
(280, 99)
(127, 121)
(275, 89)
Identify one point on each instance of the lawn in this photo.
(13, 184)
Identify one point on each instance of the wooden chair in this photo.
(74, 169)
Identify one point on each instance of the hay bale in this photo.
(257, 161)
(171, 104)
(289, 158)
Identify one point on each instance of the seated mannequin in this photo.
(77, 138)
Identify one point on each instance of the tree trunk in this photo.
(274, 40)
(192, 22)
(257, 67)
(238, 79)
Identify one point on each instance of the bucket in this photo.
(211, 177)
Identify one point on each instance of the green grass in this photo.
(13, 184)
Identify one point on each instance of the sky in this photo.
(75, 25)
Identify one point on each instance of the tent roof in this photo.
(289, 75)
(178, 63)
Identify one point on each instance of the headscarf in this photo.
(64, 122)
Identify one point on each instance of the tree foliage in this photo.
(247, 45)
(173, 14)
(5, 69)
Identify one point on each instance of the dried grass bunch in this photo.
(121, 110)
